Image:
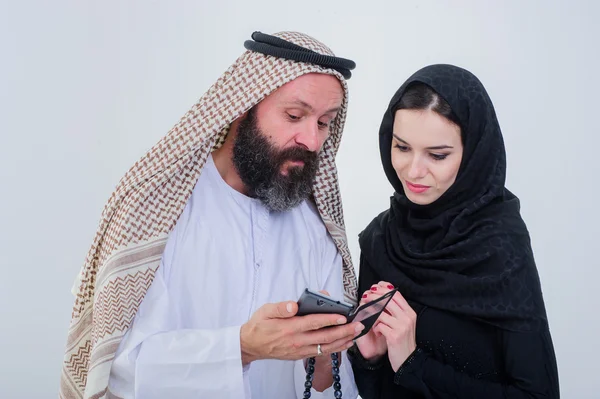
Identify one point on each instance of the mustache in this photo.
(297, 154)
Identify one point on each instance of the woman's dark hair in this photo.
(420, 96)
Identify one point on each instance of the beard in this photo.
(259, 164)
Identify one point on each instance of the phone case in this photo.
(311, 302)
(368, 313)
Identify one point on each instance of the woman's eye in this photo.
(439, 157)
(402, 148)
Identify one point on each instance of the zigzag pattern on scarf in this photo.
(123, 295)
(78, 362)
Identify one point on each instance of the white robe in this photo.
(227, 256)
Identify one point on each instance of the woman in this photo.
(468, 320)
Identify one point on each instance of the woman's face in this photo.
(426, 154)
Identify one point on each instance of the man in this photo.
(189, 288)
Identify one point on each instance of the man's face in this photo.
(277, 147)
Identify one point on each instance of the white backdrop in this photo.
(87, 87)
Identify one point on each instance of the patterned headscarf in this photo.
(145, 206)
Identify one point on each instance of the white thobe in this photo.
(227, 256)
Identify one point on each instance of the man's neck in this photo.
(223, 159)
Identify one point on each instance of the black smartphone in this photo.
(311, 302)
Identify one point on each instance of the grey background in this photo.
(87, 87)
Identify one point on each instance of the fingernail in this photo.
(364, 295)
(359, 328)
(391, 287)
(289, 307)
(341, 320)
(373, 288)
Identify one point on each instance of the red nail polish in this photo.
(391, 287)
(373, 288)
(365, 295)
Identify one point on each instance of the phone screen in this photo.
(368, 313)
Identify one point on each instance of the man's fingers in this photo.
(337, 346)
(333, 334)
(281, 310)
(318, 321)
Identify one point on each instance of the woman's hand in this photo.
(398, 325)
(372, 345)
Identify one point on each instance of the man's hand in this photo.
(275, 332)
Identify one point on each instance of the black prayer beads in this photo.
(335, 371)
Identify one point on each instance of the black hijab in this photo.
(468, 252)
